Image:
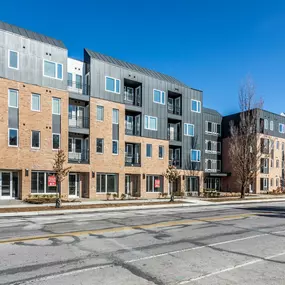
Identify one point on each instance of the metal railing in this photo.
(132, 99)
(172, 109)
(174, 136)
(79, 157)
(175, 162)
(78, 122)
(132, 160)
(78, 87)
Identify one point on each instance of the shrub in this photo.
(115, 196)
(108, 195)
(123, 196)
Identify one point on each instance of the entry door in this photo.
(128, 184)
(177, 106)
(177, 157)
(138, 99)
(171, 132)
(5, 185)
(80, 117)
(73, 185)
(78, 149)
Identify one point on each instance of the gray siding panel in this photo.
(13, 118)
(56, 124)
(115, 132)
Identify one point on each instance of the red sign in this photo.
(157, 183)
(51, 181)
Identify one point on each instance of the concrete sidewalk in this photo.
(188, 202)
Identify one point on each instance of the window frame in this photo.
(101, 106)
(18, 61)
(56, 98)
(99, 175)
(9, 137)
(33, 147)
(115, 84)
(39, 96)
(102, 139)
(146, 148)
(117, 153)
(266, 124)
(198, 104)
(271, 126)
(283, 128)
(56, 70)
(161, 102)
(17, 107)
(117, 111)
(148, 118)
(188, 125)
(53, 134)
(46, 174)
(199, 156)
(152, 177)
(162, 148)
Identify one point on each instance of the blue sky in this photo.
(209, 45)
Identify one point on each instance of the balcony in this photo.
(175, 163)
(175, 156)
(78, 88)
(132, 154)
(78, 157)
(133, 124)
(174, 105)
(78, 149)
(78, 122)
(174, 133)
(132, 93)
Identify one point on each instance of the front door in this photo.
(73, 185)
(128, 184)
(6, 185)
(80, 117)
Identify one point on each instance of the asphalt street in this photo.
(229, 244)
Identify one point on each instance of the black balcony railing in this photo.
(78, 87)
(132, 160)
(78, 122)
(173, 136)
(132, 132)
(79, 157)
(176, 110)
(132, 99)
(175, 162)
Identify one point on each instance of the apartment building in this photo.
(271, 136)
(119, 124)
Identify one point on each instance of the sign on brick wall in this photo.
(157, 183)
(51, 181)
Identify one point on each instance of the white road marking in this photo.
(232, 268)
(200, 247)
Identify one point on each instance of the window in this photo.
(13, 59)
(195, 106)
(112, 85)
(36, 136)
(78, 81)
(39, 183)
(148, 150)
(13, 137)
(271, 126)
(271, 182)
(69, 79)
(154, 183)
(13, 98)
(100, 113)
(106, 183)
(277, 163)
(36, 102)
(277, 182)
(189, 130)
(100, 145)
(115, 149)
(277, 144)
(158, 96)
(265, 124)
(160, 151)
(53, 69)
(55, 141)
(56, 106)
(195, 155)
(115, 116)
(213, 147)
(150, 123)
(281, 128)
(213, 128)
(263, 183)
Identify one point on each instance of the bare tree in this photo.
(171, 174)
(244, 142)
(60, 173)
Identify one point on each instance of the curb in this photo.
(131, 208)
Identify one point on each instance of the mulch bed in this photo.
(73, 207)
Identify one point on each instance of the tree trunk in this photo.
(172, 194)
(58, 199)
(242, 192)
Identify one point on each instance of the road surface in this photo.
(237, 244)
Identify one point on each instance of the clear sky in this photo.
(209, 45)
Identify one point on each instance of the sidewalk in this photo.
(118, 205)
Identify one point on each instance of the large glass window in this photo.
(39, 183)
(13, 59)
(13, 98)
(100, 113)
(150, 123)
(115, 116)
(158, 96)
(55, 141)
(196, 106)
(53, 69)
(189, 130)
(36, 102)
(107, 183)
(112, 84)
(36, 137)
(99, 145)
(115, 147)
(195, 155)
(160, 151)
(154, 183)
(78, 81)
(69, 79)
(148, 150)
(271, 125)
(13, 137)
(56, 106)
